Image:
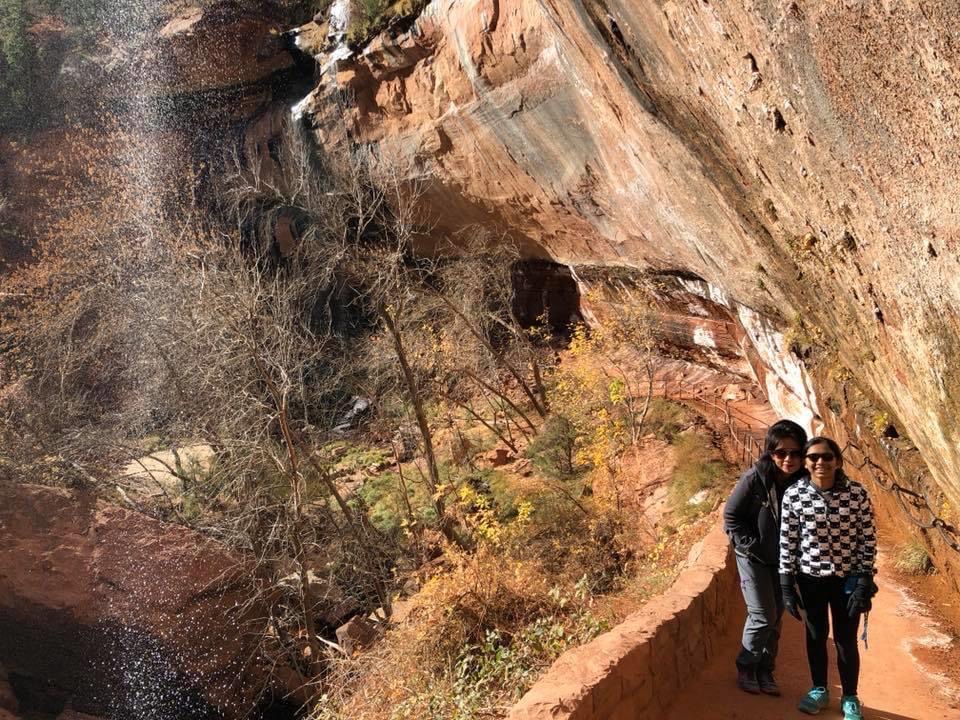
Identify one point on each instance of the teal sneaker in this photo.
(814, 701)
(850, 706)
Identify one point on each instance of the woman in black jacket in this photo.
(751, 519)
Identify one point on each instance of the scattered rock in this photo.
(523, 467)
(700, 497)
(161, 473)
(356, 634)
(500, 456)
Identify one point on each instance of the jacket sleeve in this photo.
(866, 536)
(740, 527)
(789, 536)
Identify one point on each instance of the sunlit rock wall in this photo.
(800, 156)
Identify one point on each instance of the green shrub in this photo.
(699, 467)
(553, 450)
(666, 419)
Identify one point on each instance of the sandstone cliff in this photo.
(793, 160)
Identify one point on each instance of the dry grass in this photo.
(912, 558)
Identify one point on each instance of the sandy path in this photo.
(893, 686)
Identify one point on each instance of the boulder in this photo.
(106, 606)
(356, 634)
(500, 456)
(162, 472)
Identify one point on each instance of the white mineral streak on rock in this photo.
(704, 338)
(339, 18)
(787, 383)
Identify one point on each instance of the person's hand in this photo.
(791, 601)
(860, 599)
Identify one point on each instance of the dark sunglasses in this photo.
(826, 457)
(781, 454)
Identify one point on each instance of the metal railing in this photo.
(742, 428)
(747, 432)
(910, 501)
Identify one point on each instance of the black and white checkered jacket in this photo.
(827, 532)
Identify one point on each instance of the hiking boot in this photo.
(814, 701)
(850, 706)
(768, 686)
(747, 681)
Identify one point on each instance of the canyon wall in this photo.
(795, 156)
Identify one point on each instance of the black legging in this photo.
(818, 594)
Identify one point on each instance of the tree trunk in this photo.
(413, 390)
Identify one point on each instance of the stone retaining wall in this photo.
(638, 668)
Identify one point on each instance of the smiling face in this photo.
(822, 463)
(787, 456)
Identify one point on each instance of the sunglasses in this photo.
(780, 454)
(826, 457)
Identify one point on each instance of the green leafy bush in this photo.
(553, 450)
(666, 418)
(699, 467)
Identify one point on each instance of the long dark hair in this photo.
(778, 432)
(840, 477)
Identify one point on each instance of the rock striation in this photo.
(797, 157)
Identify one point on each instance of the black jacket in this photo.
(751, 517)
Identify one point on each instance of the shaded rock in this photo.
(499, 457)
(333, 606)
(356, 634)
(8, 701)
(108, 607)
(74, 715)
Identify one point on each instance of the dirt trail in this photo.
(893, 685)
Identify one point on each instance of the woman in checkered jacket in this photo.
(827, 550)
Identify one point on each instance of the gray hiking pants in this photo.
(761, 632)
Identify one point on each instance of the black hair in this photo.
(778, 432)
(840, 477)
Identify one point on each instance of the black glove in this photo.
(791, 601)
(860, 600)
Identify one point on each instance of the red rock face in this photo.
(799, 156)
(117, 611)
(226, 45)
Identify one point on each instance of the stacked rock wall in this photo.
(636, 670)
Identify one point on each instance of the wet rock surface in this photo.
(109, 610)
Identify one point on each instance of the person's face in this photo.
(822, 464)
(787, 456)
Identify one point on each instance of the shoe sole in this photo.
(751, 690)
(808, 711)
(773, 692)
